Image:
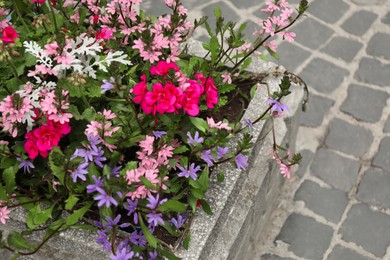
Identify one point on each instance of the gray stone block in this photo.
(244, 4)
(317, 108)
(365, 104)
(379, 46)
(336, 170)
(386, 129)
(382, 158)
(338, 48)
(329, 203)
(372, 71)
(386, 19)
(359, 22)
(342, 253)
(274, 257)
(367, 228)
(291, 55)
(347, 138)
(306, 237)
(365, 2)
(307, 158)
(323, 75)
(329, 11)
(374, 188)
(227, 12)
(311, 33)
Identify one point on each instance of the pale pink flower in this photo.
(51, 48)
(268, 27)
(219, 125)
(226, 78)
(4, 214)
(289, 36)
(147, 144)
(108, 114)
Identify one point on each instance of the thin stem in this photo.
(20, 17)
(54, 17)
(10, 63)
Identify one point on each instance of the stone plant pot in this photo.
(241, 204)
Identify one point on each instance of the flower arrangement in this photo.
(105, 115)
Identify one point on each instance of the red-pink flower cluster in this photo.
(9, 35)
(166, 97)
(42, 139)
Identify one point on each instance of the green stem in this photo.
(20, 17)
(12, 67)
(54, 18)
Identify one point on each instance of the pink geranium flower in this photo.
(4, 214)
(9, 35)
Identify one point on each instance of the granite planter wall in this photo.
(241, 204)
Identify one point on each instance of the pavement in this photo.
(337, 206)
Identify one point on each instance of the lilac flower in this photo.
(277, 106)
(98, 157)
(154, 202)
(241, 161)
(107, 85)
(154, 218)
(153, 256)
(159, 134)
(104, 198)
(81, 171)
(102, 239)
(191, 172)
(221, 151)
(138, 239)
(93, 187)
(123, 252)
(26, 165)
(181, 219)
(248, 123)
(208, 158)
(94, 140)
(113, 222)
(194, 140)
(132, 206)
(116, 171)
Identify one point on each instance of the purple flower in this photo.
(181, 219)
(26, 165)
(102, 239)
(277, 106)
(221, 151)
(107, 85)
(158, 134)
(241, 161)
(194, 140)
(138, 239)
(98, 157)
(132, 206)
(93, 187)
(113, 222)
(81, 171)
(153, 256)
(116, 171)
(208, 158)
(123, 252)
(154, 218)
(104, 198)
(248, 123)
(154, 202)
(191, 172)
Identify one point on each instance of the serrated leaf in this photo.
(204, 179)
(149, 237)
(148, 184)
(77, 214)
(172, 205)
(56, 163)
(181, 149)
(199, 123)
(9, 178)
(71, 201)
(43, 216)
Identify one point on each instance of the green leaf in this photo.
(172, 205)
(214, 47)
(169, 229)
(204, 179)
(56, 163)
(197, 193)
(17, 240)
(9, 178)
(195, 184)
(78, 214)
(217, 12)
(192, 201)
(43, 216)
(148, 184)
(186, 241)
(253, 91)
(149, 237)
(181, 149)
(71, 201)
(206, 207)
(272, 53)
(168, 255)
(220, 177)
(199, 123)
(245, 64)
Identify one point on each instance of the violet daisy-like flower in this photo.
(277, 106)
(81, 171)
(159, 134)
(241, 161)
(137, 238)
(196, 139)
(104, 198)
(93, 187)
(102, 239)
(154, 202)
(153, 255)
(191, 172)
(221, 151)
(26, 165)
(132, 206)
(154, 218)
(248, 123)
(179, 221)
(114, 222)
(122, 253)
(208, 158)
(107, 85)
